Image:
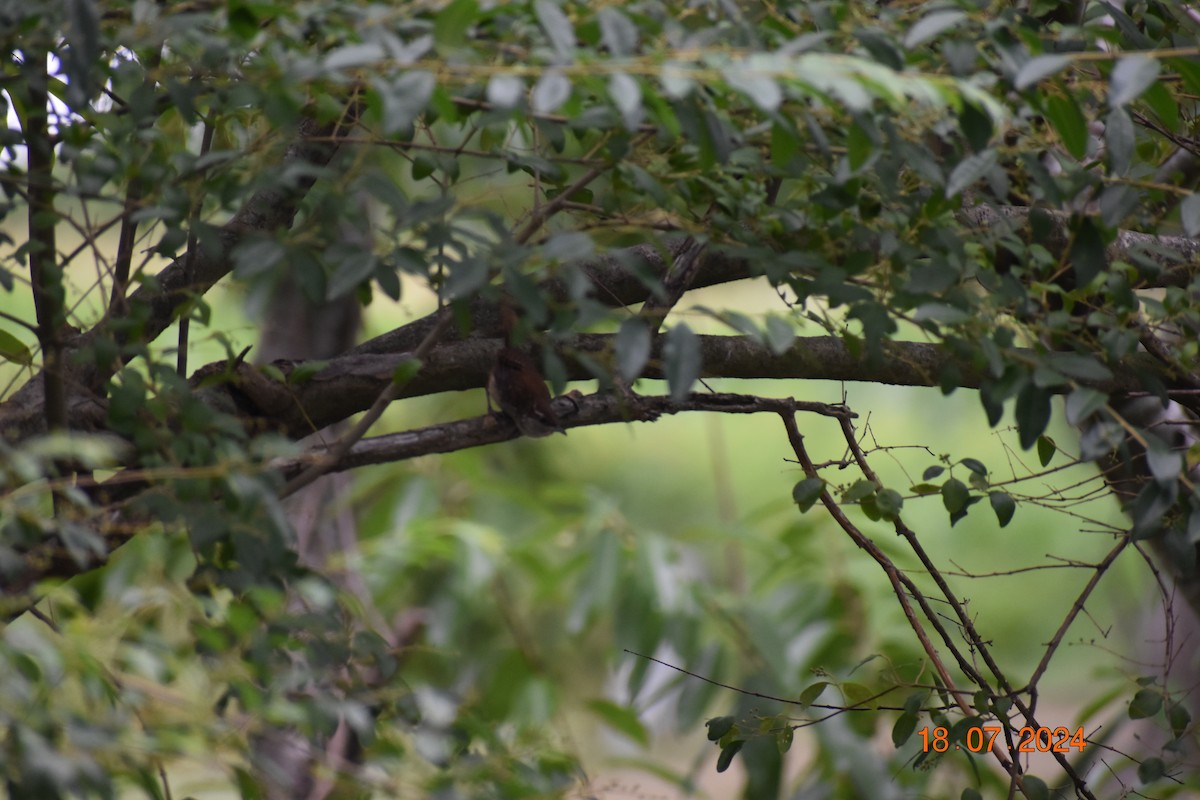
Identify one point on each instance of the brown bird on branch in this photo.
(517, 387)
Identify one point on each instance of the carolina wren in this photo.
(517, 387)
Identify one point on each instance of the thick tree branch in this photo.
(45, 273)
(349, 385)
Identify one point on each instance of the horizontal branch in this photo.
(51, 560)
(617, 279)
(348, 385)
(573, 412)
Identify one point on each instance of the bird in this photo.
(518, 389)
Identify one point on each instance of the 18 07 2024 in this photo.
(981, 739)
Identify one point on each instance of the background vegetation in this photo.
(878, 323)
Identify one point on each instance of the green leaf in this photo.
(626, 95)
(942, 313)
(903, 729)
(1004, 506)
(353, 56)
(1119, 140)
(450, 26)
(13, 349)
(969, 170)
(780, 334)
(1189, 215)
(955, 495)
(718, 727)
(683, 360)
(915, 700)
(785, 143)
(257, 255)
(1078, 365)
(727, 754)
(551, 91)
(740, 322)
(856, 694)
(1035, 69)
(351, 268)
(1165, 464)
(811, 693)
(1163, 101)
(1146, 703)
(83, 48)
(617, 32)
(970, 794)
(889, 503)
(632, 347)
(783, 739)
(860, 489)
(1035, 788)
(1147, 509)
(807, 492)
(932, 472)
(1046, 448)
(1032, 414)
(975, 466)
(1180, 719)
(932, 25)
(976, 125)
(404, 99)
(505, 91)
(422, 167)
(859, 146)
(676, 79)
(1088, 256)
(89, 450)
(622, 719)
(558, 28)
(1082, 403)
(760, 87)
(1068, 122)
(1151, 769)
(1130, 77)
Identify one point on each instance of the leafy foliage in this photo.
(954, 196)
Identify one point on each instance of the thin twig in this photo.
(1098, 573)
(1026, 710)
(543, 213)
(185, 320)
(676, 282)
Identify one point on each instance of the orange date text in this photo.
(981, 739)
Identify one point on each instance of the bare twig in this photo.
(976, 641)
(1055, 641)
(902, 587)
(185, 321)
